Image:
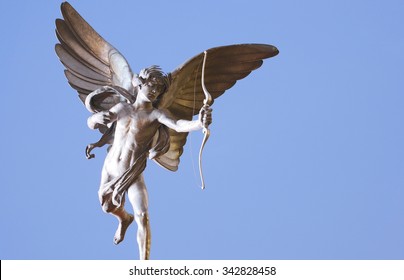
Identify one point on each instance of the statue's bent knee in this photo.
(106, 203)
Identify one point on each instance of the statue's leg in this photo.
(138, 197)
(124, 218)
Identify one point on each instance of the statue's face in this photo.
(150, 90)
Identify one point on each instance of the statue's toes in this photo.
(118, 239)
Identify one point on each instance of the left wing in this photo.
(224, 67)
(90, 61)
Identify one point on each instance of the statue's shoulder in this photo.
(121, 106)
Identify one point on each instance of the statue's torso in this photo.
(133, 134)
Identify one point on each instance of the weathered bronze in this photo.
(145, 115)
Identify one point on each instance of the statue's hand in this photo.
(205, 116)
(104, 117)
(88, 151)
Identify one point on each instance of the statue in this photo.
(145, 115)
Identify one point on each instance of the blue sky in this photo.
(306, 156)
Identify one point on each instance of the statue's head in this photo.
(151, 82)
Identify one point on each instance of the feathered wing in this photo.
(90, 61)
(224, 67)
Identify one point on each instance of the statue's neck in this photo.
(142, 103)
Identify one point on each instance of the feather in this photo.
(67, 38)
(75, 65)
(90, 39)
(81, 83)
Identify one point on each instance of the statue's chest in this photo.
(142, 120)
(138, 125)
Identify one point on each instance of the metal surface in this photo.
(145, 115)
(206, 104)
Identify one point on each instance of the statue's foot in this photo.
(122, 227)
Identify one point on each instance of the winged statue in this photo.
(145, 115)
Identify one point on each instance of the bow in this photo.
(206, 103)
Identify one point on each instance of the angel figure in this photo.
(145, 115)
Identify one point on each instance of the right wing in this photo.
(224, 67)
(90, 61)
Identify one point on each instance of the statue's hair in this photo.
(153, 74)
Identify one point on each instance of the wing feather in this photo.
(85, 34)
(171, 159)
(80, 90)
(66, 36)
(189, 103)
(82, 83)
(74, 65)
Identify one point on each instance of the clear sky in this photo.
(306, 156)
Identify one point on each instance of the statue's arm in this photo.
(101, 120)
(104, 118)
(167, 119)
